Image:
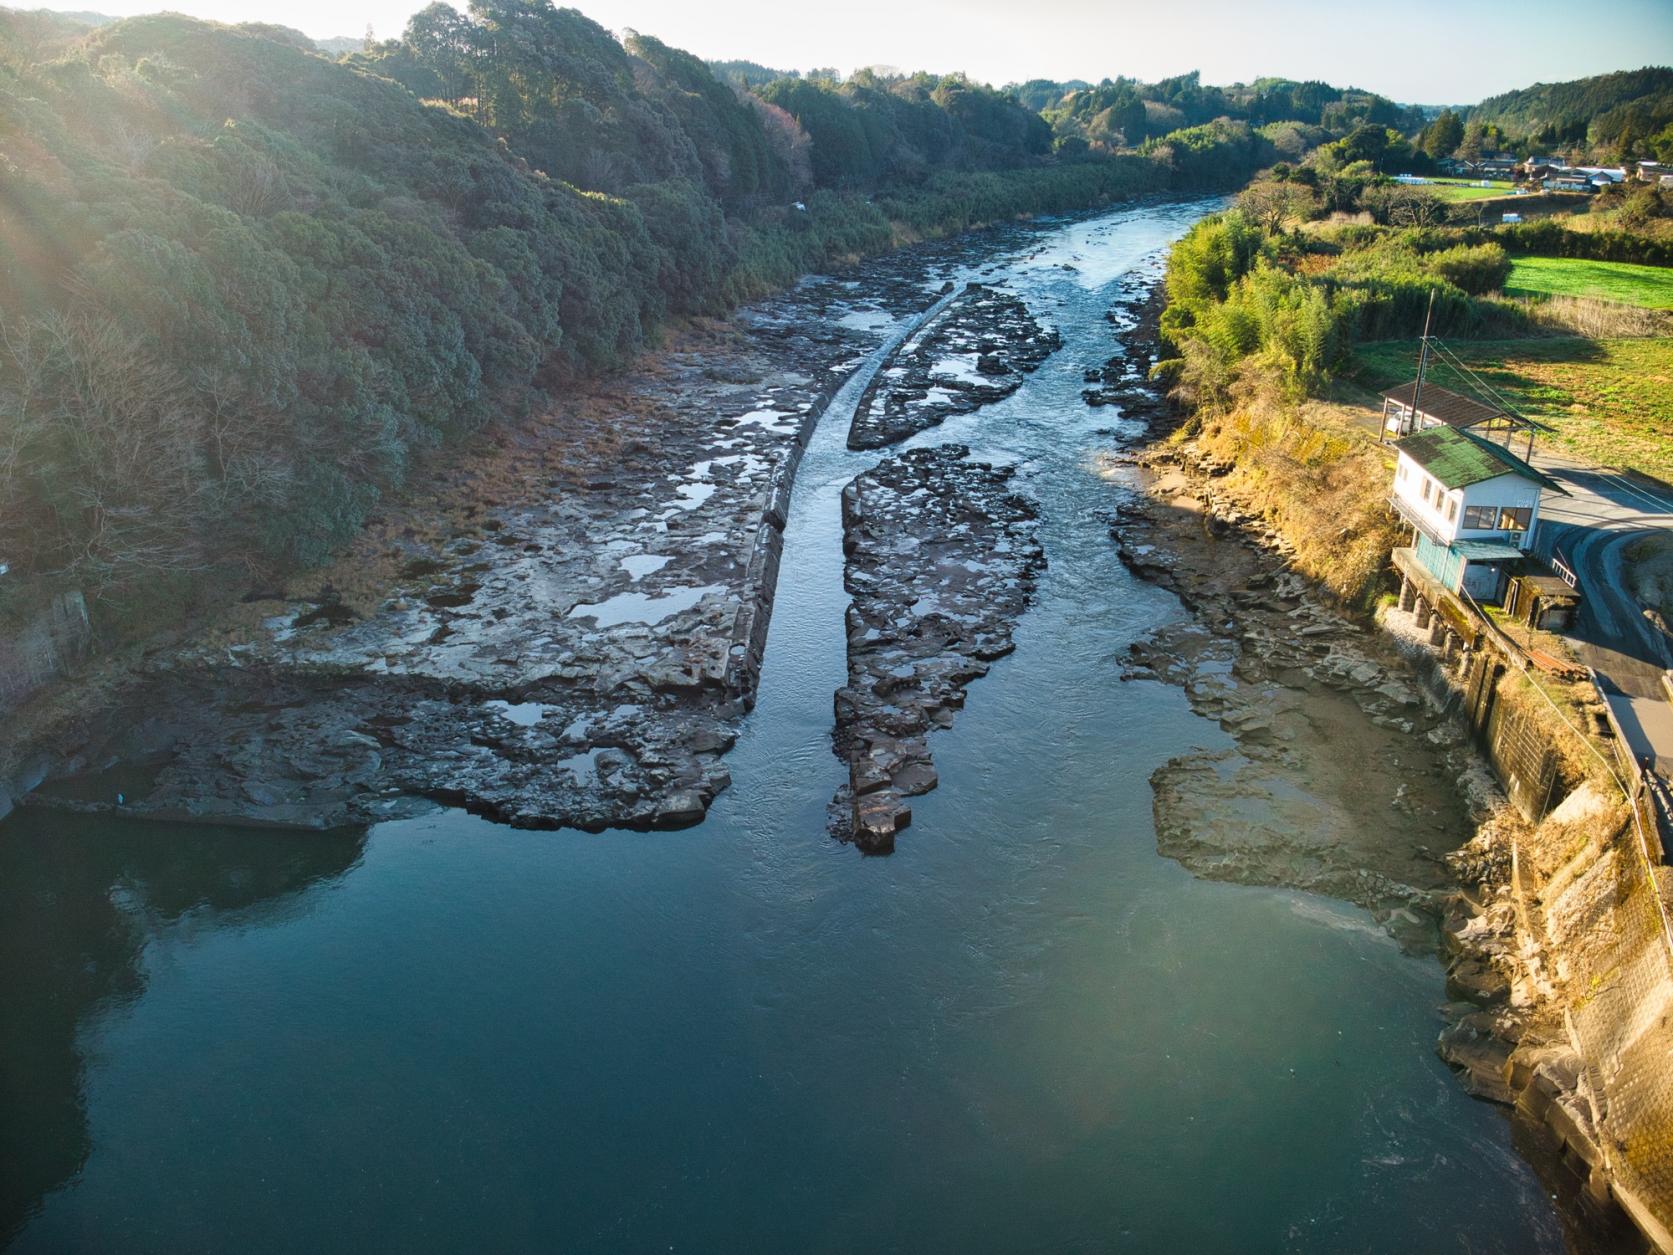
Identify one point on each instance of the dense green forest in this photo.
(1618, 116)
(1123, 113)
(243, 285)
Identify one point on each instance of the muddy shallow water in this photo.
(1026, 1030)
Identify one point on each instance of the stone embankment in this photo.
(942, 558)
(975, 353)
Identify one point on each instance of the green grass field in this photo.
(1460, 189)
(1609, 400)
(1647, 286)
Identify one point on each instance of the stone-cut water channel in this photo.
(1024, 1031)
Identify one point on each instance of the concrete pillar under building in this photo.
(1408, 593)
(1449, 646)
(1437, 630)
(1422, 611)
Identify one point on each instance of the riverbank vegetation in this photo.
(1287, 314)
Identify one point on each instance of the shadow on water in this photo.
(82, 902)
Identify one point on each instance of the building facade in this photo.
(1473, 506)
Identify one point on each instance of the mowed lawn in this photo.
(1647, 286)
(1609, 400)
(1469, 191)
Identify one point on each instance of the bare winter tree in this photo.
(1404, 205)
(788, 139)
(1271, 203)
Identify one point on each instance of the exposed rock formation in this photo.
(564, 631)
(942, 560)
(975, 353)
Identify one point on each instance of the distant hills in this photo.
(334, 47)
(1624, 110)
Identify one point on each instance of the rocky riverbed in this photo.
(1339, 778)
(1123, 379)
(974, 353)
(942, 558)
(562, 630)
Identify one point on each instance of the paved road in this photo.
(1605, 513)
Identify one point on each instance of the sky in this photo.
(1417, 51)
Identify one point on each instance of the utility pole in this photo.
(1422, 358)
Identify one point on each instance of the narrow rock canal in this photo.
(1025, 1031)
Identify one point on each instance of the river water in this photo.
(1023, 1031)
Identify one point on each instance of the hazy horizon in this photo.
(1393, 52)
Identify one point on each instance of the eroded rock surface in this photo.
(1123, 379)
(1340, 779)
(563, 631)
(942, 558)
(976, 352)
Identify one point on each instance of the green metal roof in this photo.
(1486, 550)
(1458, 459)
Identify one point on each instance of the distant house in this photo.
(1570, 183)
(1653, 171)
(1473, 506)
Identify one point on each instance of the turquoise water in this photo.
(1024, 1031)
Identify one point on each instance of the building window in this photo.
(1480, 516)
(1515, 518)
(1451, 509)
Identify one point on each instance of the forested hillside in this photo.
(1123, 112)
(1625, 115)
(243, 286)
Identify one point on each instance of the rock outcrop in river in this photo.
(976, 352)
(942, 560)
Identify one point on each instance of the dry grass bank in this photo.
(1315, 472)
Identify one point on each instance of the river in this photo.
(1024, 1031)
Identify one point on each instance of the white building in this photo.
(1473, 506)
